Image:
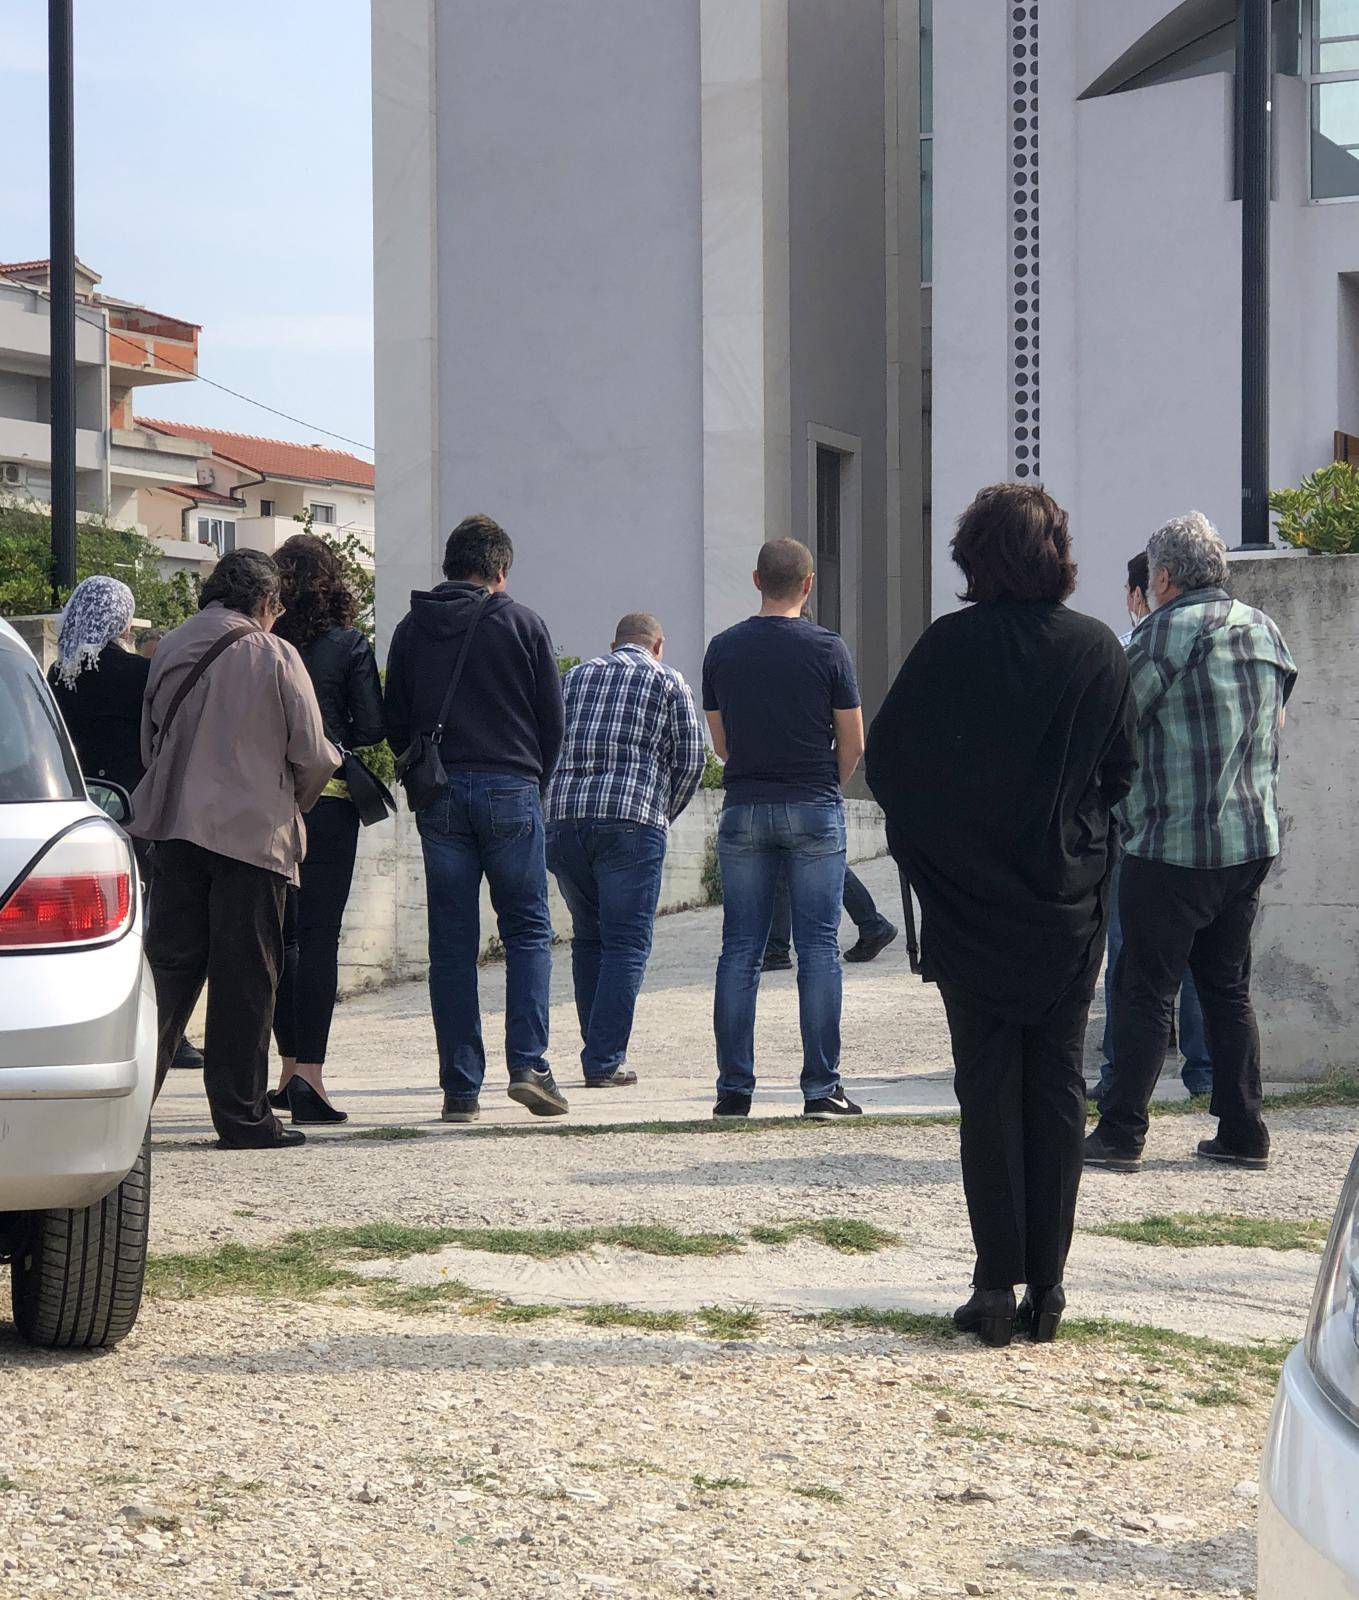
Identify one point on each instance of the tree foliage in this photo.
(26, 566)
(1322, 513)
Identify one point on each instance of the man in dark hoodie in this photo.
(500, 743)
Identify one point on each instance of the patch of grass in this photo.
(714, 1485)
(417, 1299)
(1219, 1394)
(913, 1324)
(385, 1135)
(819, 1491)
(1191, 1229)
(245, 1211)
(397, 1240)
(728, 1322)
(513, 1311)
(737, 1127)
(118, 1480)
(297, 1267)
(848, 1235)
(622, 1464)
(1341, 1089)
(10, 1485)
(616, 1316)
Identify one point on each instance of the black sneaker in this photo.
(538, 1092)
(460, 1108)
(1215, 1150)
(619, 1078)
(831, 1106)
(872, 945)
(776, 961)
(732, 1105)
(1099, 1153)
(187, 1058)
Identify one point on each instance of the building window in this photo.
(829, 466)
(204, 530)
(1333, 94)
(220, 534)
(322, 514)
(266, 508)
(926, 141)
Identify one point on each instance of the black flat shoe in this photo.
(1040, 1311)
(283, 1138)
(990, 1314)
(308, 1106)
(278, 1098)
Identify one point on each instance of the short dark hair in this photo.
(638, 627)
(784, 565)
(242, 581)
(1139, 574)
(477, 548)
(1013, 543)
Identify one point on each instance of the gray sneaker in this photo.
(538, 1093)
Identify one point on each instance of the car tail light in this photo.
(79, 891)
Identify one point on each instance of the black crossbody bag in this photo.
(420, 767)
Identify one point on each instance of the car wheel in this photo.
(77, 1278)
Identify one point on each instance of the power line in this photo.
(211, 382)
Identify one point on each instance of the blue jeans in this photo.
(863, 913)
(1197, 1072)
(491, 824)
(609, 873)
(756, 845)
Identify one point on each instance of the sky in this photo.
(223, 175)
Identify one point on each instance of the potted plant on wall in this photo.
(1322, 514)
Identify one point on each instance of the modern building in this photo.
(246, 492)
(1086, 302)
(648, 291)
(120, 347)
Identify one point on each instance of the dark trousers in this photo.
(863, 913)
(1173, 917)
(1021, 1091)
(311, 933)
(609, 873)
(218, 921)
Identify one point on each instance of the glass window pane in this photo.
(1338, 21)
(1335, 140)
(927, 211)
(36, 759)
(926, 66)
(1342, 56)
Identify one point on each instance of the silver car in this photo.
(77, 1031)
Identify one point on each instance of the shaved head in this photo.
(783, 567)
(638, 627)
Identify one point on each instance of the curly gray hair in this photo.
(1190, 551)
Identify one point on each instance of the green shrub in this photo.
(712, 875)
(1322, 513)
(712, 772)
(26, 567)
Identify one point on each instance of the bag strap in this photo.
(193, 675)
(458, 666)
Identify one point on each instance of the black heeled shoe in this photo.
(308, 1106)
(990, 1314)
(1040, 1312)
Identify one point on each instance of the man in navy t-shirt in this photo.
(783, 707)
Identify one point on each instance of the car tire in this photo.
(77, 1278)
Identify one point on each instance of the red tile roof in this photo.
(276, 458)
(203, 497)
(37, 266)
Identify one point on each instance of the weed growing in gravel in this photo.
(819, 1491)
(10, 1486)
(513, 1311)
(914, 1324)
(396, 1240)
(1190, 1229)
(296, 1267)
(714, 1485)
(616, 1316)
(417, 1299)
(384, 1135)
(845, 1234)
(728, 1322)
(1220, 1394)
(245, 1211)
(622, 1464)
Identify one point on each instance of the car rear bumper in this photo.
(69, 1134)
(1309, 1495)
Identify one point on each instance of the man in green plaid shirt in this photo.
(1201, 830)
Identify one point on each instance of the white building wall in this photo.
(1140, 289)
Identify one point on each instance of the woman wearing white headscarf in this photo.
(100, 682)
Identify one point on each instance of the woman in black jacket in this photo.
(319, 619)
(99, 683)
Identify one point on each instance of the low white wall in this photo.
(1307, 938)
(385, 932)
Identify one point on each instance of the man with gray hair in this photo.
(630, 763)
(1201, 830)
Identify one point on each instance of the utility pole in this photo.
(1253, 84)
(61, 249)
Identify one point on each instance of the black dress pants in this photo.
(219, 921)
(311, 932)
(1201, 918)
(1021, 1091)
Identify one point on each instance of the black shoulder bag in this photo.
(420, 766)
(371, 797)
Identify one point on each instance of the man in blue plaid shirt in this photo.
(1201, 831)
(630, 763)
